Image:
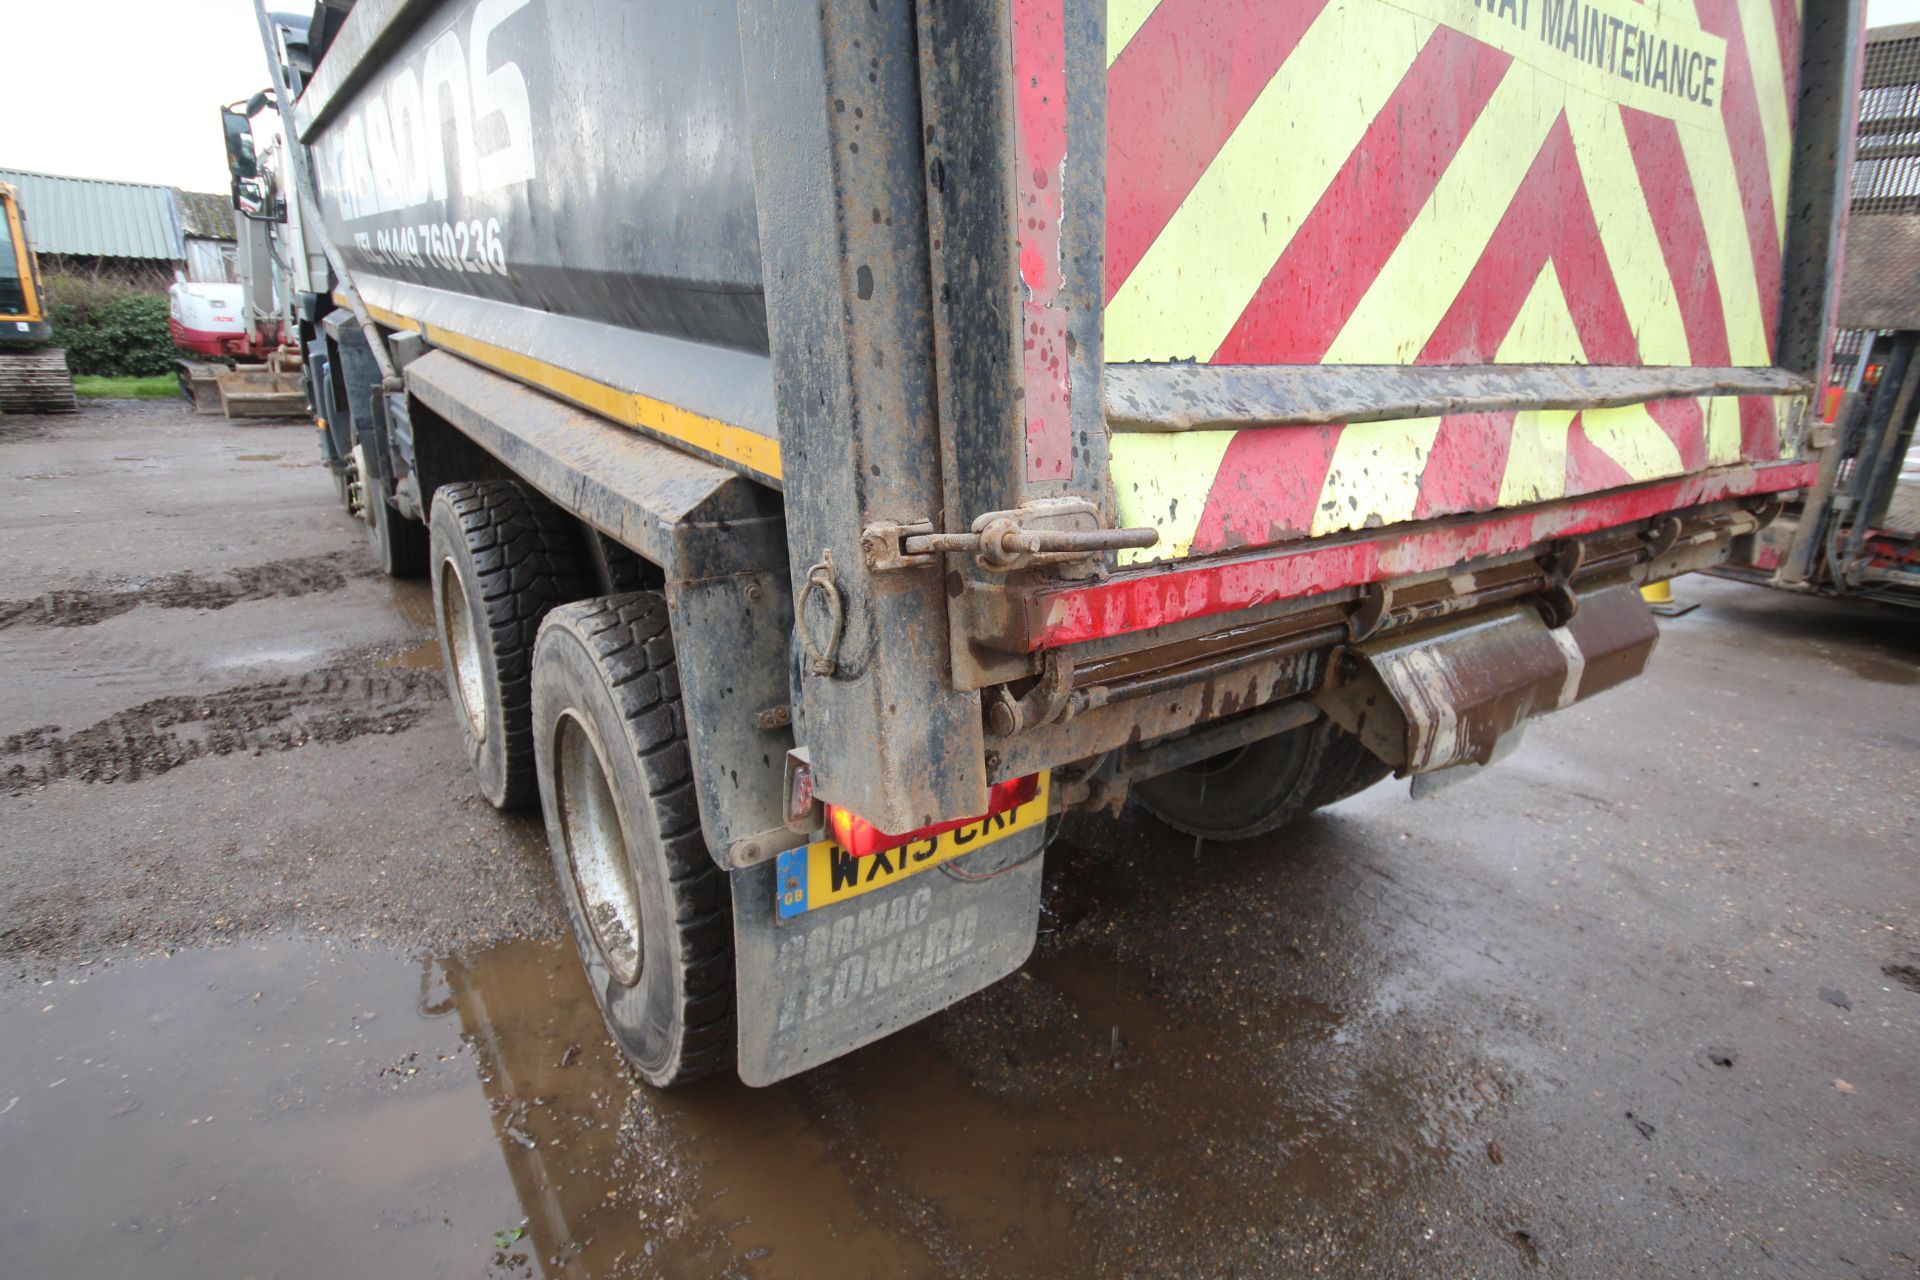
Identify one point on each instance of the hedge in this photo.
(109, 330)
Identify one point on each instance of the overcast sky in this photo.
(1884, 13)
(129, 89)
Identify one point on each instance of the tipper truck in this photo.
(843, 434)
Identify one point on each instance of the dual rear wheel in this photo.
(575, 702)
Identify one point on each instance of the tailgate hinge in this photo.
(1047, 531)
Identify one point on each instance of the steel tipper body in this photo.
(914, 418)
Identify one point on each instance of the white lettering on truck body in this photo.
(389, 153)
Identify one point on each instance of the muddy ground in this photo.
(283, 998)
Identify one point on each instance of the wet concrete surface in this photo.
(281, 998)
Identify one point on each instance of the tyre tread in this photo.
(629, 640)
(523, 553)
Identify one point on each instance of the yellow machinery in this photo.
(33, 375)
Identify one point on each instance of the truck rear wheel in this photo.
(1257, 788)
(501, 558)
(399, 545)
(649, 909)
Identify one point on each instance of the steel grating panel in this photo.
(1881, 288)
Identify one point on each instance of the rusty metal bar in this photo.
(1816, 508)
(1104, 682)
(832, 98)
(1106, 694)
(1031, 541)
(1137, 763)
(1818, 190)
(1187, 397)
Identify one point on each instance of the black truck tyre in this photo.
(502, 556)
(399, 544)
(1257, 788)
(649, 909)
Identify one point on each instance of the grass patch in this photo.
(164, 387)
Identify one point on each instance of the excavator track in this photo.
(36, 382)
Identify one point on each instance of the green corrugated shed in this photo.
(86, 217)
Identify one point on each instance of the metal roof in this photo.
(206, 214)
(92, 218)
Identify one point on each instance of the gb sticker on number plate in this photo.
(822, 873)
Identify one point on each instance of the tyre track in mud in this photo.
(23, 426)
(347, 699)
(277, 579)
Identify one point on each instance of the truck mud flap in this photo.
(818, 985)
(1460, 691)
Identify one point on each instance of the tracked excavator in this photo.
(33, 374)
(245, 368)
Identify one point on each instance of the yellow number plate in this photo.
(822, 873)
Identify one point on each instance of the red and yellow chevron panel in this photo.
(1075, 612)
(1441, 182)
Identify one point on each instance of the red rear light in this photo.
(862, 839)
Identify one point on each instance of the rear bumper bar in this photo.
(1057, 615)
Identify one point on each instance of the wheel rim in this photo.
(597, 851)
(463, 648)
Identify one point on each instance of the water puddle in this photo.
(1876, 665)
(424, 656)
(292, 1109)
(413, 600)
(289, 1108)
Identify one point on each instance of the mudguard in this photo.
(821, 984)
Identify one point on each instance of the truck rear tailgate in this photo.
(1367, 183)
(1389, 287)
